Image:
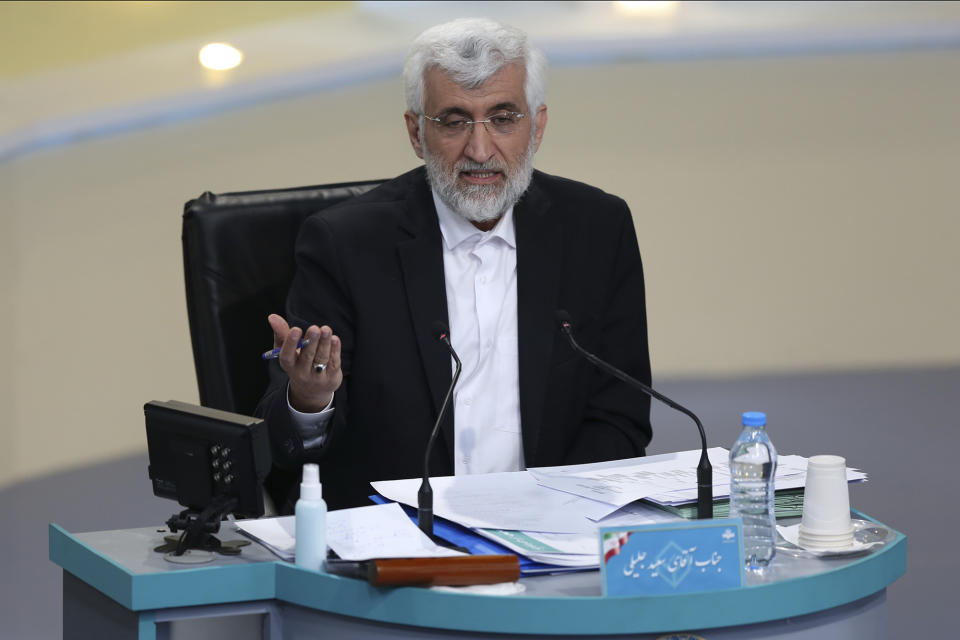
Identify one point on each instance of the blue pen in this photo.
(275, 353)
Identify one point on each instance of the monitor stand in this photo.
(197, 543)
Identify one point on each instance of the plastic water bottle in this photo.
(311, 521)
(753, 463)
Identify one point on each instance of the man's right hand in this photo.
(310, 390)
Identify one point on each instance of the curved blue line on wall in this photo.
(206, 102)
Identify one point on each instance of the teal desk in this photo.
(115, 586)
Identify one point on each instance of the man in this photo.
(480, 240)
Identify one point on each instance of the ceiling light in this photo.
(220, 57)
(646, 8)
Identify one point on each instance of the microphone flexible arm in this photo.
(425, 495)
(704, 468)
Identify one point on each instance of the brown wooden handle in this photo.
(452, 571)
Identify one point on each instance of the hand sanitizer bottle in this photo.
(311, 521)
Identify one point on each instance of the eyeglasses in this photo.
(454, 125)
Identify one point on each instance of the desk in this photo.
(115, 586)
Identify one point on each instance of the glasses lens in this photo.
(452, 126)
(501, 124)
(504, 123)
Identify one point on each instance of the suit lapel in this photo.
(421, 262)
(539, 252)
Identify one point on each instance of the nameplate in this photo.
(682, 557)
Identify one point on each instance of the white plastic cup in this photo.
(826, 504)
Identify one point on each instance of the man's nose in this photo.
(480, 147)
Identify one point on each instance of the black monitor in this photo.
(210, 461)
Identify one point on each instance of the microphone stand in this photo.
(704, 468)
(425, 495)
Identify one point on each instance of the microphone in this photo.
(425, 495)
(704, 469)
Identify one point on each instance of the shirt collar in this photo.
(456, 229)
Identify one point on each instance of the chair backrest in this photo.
(238, 264)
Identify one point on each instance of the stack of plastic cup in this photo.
(826, 505)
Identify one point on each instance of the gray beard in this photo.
(479, 202)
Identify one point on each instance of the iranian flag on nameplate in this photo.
(682, 557)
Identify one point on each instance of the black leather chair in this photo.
(238, 264)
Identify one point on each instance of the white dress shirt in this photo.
(480, 269)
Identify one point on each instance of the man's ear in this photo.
(412, 121)
(540, 119)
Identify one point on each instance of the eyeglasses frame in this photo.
(485, 122)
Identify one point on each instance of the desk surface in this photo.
(122, 565)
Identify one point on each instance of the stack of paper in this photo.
(668, 479)
(550, 515)
(377, 531)
(787, 503)
(512, 509)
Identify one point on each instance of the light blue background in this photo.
(683, 545)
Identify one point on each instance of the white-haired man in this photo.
(480, 240)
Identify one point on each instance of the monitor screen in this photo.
(198, 454)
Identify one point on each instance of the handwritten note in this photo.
(376, 531)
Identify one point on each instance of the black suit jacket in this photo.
(372, 269)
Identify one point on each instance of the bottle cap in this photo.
(310, 488)
(754, 419)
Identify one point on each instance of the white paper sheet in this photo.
(669, 479)
(276, 534)
(377, 531)
(529, 543)
(498, 501)
(622, 484)
(636, 514)
(575, 549)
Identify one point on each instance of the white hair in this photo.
(471, 50)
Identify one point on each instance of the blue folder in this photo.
(476, 544)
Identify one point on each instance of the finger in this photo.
(288, 350)
(279, 327)
(305, 360)
(333, 363)
(322, 354)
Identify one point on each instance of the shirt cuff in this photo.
(312, 427)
